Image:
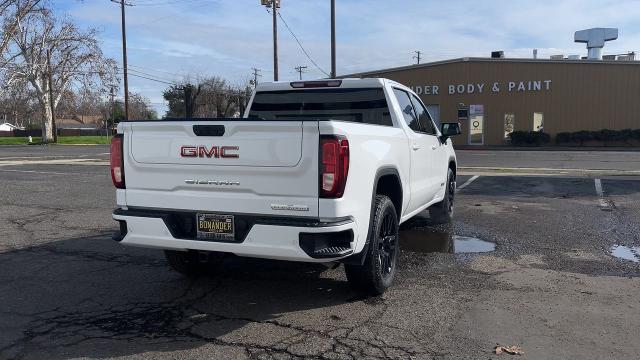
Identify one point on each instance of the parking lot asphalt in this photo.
(528, 261)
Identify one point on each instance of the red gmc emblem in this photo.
(202, 151)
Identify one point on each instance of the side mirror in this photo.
(448, 130)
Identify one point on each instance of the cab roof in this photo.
(321, 83)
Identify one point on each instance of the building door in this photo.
(476, 124)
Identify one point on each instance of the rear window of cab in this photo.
(361, 105)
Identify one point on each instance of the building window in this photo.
(538, 121)
(509, 125)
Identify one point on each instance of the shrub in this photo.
(529, 138)
(604, 135)
(563, 137)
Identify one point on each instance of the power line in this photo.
(151, 75)
(152, 79)
(300, 44)
(155, 70)
(169, 2)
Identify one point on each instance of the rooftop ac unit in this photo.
(497, 54)
(608, 57)
(573, 57)
(556, 57)
(628, 57)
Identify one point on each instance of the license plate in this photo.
(215, 227)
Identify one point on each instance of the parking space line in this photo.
(601, 200)
(55, 162)
(466, 183)
(48, 172)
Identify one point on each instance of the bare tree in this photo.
(52, 54)
(11, 12)
(17, 105)
(214, 97)
(140, 107)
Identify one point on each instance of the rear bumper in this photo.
(293, 239)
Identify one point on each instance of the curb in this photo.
(554, 148)
(545, 171)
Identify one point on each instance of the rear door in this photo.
(223, 166)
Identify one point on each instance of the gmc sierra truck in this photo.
(315, 171)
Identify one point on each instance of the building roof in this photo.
(346, 83)
(493, 60)
(12, 126)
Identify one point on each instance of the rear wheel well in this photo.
(389, 185)
(452, 166)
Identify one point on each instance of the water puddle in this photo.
(625, 252)
(465, 244)
(419, 236)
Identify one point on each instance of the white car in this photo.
(316, 171)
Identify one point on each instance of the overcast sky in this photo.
(170, 39)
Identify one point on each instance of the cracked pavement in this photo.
(551, 286)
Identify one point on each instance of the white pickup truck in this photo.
(316, 171)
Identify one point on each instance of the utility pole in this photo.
(188, 106)
(51, 100)
(124, 58)
(256, 74)
(300, 69)
(333, 39)
(112, 95)
(274, 5)
(417, 56)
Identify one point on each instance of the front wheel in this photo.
(376, 274)
(442, 212)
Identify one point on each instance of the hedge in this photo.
(529, 138)
(604, 135)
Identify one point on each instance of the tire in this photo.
(191, 263)
(376, 274)
(442, 212)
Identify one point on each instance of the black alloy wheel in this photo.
(387, 244)
(376, 273)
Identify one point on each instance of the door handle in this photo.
(415, 147)
(433, 147)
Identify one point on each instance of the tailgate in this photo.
(225, 166)
(255, 143)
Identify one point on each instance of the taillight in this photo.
(116, 162)
(334, 166)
